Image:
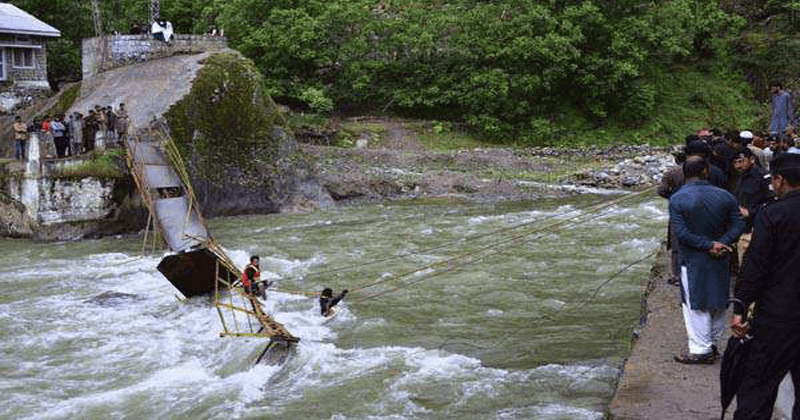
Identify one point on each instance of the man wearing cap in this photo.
(706, 221)
(770, 278)
(746, 139)
(752, 192)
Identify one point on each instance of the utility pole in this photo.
(155, 10)
(98, 24)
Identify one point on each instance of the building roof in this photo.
(17, 21)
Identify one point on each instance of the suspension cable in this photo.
(487, 250)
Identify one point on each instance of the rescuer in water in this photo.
(251, 279)
(327, 301)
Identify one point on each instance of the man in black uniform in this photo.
(752, 192)
(770, 277)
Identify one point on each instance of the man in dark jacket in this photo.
(327, 301)
(672, 181)
(752, 192)
(706, 221)
(770, 278)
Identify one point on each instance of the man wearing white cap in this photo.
(746, 139)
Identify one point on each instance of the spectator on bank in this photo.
(746, 139)
(782, 113)
(111, 121)
(769, 279)
(161, 29)
(760, 142)
(122, 124)
(59, 136)
(46, 124)
(20, 138)
(671, 182)
(752, 193)
(101, 118)
(90, 128)
(707, 222)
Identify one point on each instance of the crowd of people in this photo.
(733, 207)
(73, 135)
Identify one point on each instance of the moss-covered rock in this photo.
(239, 155)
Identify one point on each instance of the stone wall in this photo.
(37, 203)
(113, 51)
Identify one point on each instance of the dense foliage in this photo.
(523, 70)
(226, 118)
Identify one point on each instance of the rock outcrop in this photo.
(239, 154)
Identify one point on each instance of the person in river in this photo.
(327, 301)
(707, 221)
(251, 279)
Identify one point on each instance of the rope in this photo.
(558, 225)
(488, 252)
(560, 311)
(468, 238)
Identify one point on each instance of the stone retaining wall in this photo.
(113, 51)
(35, 202)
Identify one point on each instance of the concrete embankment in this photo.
(655, 387)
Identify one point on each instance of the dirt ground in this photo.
(399, 166)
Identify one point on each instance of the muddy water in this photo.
(491, 311)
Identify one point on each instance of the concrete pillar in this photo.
(99, 140)
(29, 191)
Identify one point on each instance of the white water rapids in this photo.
(534, 332)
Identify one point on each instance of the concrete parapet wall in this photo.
(113, 51)
(36, 202)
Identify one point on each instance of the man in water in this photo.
(251, 279)
(327, 301)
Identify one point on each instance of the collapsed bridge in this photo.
(196, 266)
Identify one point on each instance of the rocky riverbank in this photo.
(401, 168)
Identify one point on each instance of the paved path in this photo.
(655, 387)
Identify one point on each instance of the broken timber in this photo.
(197, 266)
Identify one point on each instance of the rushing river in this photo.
(475, 311)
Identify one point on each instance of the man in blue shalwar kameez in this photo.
(782, 110)
(706, 220)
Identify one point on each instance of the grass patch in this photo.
(109, 164)
(445, 136)
(65, 100)
(688, 100)
(297, 121)
(350, 131)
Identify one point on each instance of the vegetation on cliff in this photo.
(234, 141)
(226, 118)
(520, 71)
